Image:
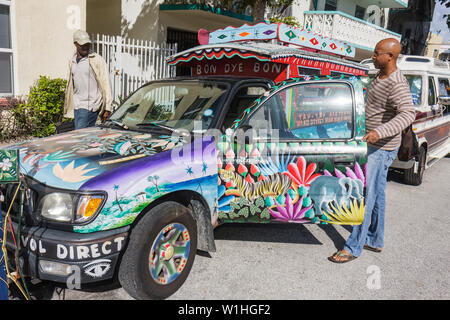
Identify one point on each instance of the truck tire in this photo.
(413, 178)
(160, 252)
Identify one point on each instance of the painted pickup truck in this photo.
(137, 196)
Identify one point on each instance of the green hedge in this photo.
(44, 108)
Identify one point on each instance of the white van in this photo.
(429, 80)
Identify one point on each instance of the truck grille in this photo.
(30, 200)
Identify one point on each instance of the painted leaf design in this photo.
(254, 209)
(243, 212)
(259, 202)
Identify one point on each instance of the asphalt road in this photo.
(290, 261)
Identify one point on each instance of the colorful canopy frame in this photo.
(274, 51)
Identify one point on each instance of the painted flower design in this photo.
(6, 164)
(301, 174)
(291, 213)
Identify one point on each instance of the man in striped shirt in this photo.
(389, 110)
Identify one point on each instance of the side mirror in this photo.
(444, 100)
(246, 127)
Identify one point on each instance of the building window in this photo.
(184, 40)
(6, 52)
(330, 5)
(359, 12)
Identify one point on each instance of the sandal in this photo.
(371, 248)
(347, 257)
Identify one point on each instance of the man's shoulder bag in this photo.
(409, 146)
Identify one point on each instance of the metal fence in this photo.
(133, 62)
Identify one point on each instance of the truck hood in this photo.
(69, 160)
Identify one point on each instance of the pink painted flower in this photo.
(290, 213)
(300, 174)
(358, 173)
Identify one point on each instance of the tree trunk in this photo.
(258, 10)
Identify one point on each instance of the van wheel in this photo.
(160, 253)
(413, 178)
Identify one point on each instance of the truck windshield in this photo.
(172, 105)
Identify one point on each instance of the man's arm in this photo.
(107, 88)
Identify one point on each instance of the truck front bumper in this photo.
(68, 257)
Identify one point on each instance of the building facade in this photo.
(413, 24)
(36, 36)
(36, 39)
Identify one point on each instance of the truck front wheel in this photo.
(160, 253)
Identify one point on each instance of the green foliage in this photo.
(44, 108)
(9, 128)
(290, 20)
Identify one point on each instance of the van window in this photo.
(444, 87)
(415, 86)
(431, 92)
(412, 59)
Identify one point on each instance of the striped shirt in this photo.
(389, 109)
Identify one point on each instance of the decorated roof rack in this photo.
(277, 31)
(275, 51)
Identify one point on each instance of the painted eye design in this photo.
(97, 268)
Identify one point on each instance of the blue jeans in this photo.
(371, 231)
(84, 118)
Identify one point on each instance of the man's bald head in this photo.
(390, 45)
(385, 55)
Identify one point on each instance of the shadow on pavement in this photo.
(334, 235)
(281, 233)
(395, 175)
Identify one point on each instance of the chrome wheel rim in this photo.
(169, 253)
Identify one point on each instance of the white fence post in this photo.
(133, 62)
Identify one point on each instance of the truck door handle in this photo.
(344, 163)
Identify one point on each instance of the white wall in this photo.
(299, 7)
(142, 19)
(43, 32)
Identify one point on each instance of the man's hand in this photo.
(105, 115)
(372, 137)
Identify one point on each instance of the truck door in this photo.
(435, 131)
(305, 161)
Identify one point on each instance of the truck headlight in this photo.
(57, 206)
(71, 207)
(88, 205)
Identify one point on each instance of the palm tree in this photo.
(116, 187)
(155, 178)
(154, 181)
